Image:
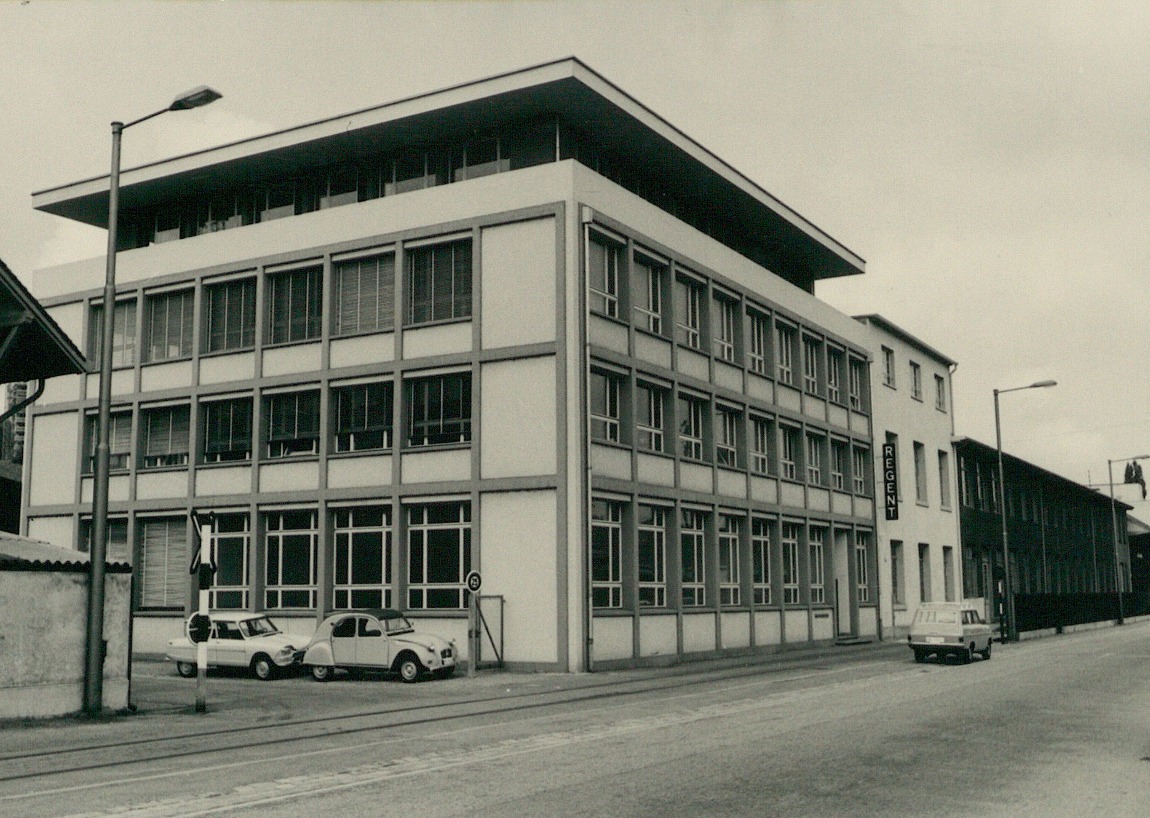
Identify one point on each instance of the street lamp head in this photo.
(197, 97)
(1043, 384)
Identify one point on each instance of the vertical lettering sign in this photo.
(890, 480)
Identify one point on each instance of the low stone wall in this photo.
(42, 642)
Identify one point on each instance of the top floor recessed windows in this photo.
(439, 282)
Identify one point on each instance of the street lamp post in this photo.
(1008, 629)
(1114, 530)
(94, 643)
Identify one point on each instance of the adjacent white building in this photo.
(522, 326)
(913, 411)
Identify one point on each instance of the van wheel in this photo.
(322, 673)
(967, 656)
(186, 669)
(409, 668)
(263, 668)
(919, 655)
(986, 653)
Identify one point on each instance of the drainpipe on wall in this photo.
(586, 216)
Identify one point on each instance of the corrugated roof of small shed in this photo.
(24, 554)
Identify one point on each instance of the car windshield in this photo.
(259, 626)
(397, 625)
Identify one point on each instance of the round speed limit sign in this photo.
(474, 581)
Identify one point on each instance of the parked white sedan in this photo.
(241, 639)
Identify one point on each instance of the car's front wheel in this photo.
(445, 672)
(409, 668)
(322, 673)
(986, 653)
(263, 668)
(186, 669)
(967, 656)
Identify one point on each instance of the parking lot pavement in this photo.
(164, 702)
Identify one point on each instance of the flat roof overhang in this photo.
(566, 88)
(32, 345)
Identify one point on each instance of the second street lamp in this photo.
(94, 641)
(1008, 628)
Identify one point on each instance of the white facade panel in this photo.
(519, 417)
(161, 485)
(56, 530)
(289, 477)
(353, 472)
(229, 480)
(362, 349)
(443, 339)
(290, 360)
(614, 638)
(54, 441)
(176, 375)
(240, 366)
(445, 465)
(698, 632)
(658, 635)
(519, 283)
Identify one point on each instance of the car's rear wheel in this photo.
(919, 655)
(322, 673)
(986, 653)
(263, 668)
(409, 668)
(186, 669)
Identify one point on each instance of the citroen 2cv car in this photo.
(949, 629)
(241, 639)
(377, 639)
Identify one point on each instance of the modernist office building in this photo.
(522, 326)
(1060, 535)
(918, 530)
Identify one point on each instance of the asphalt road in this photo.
(1050, 727)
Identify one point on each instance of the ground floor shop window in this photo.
(290, 560)
(729, 590)
(230, 539)
(438, 554)
(790, 548)
(606, 554)
(692, 539)
(761, 559)
(362, 569)
(652, 546)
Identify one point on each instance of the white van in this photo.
(949, 628)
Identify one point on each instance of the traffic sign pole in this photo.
(474, 582)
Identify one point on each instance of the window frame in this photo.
(418, 592)
(278, 538)
(286, 322)
(647, 292)
(693, 562)
(816, 563)
(727, 565)
(603, 280)
(351, 535)
(376, 312)
(690, 412)
(229, 338)
(651, 417)
(606, 405)
(425, 303)
(461, 423)
(306, 438)
(376, 431)
(724, 329)
(652, 589)
(233, 453)
(606, 521)
(689, 293)
(184, 322)
(176, 451)
(761, 560)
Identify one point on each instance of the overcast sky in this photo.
(990, 161)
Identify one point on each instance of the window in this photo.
(915, 381)
(364, 295)
(119, 440)
(231, 535)
(603, 275)
(227, 430)
(168, 325)
(758, 342)
(165, 436)
(789, 452)
(363, 416)
(818, 569)
(439, 554)
(294, 305)
(652, 546)
(230, 315)
(835, 364)
(815, 459)
(117, 547)
(943, 478)
(606, 554)
(293, 424)
(439, 282)
(924, 572)
(897, 587)
(856, 375)
(762, 429)
(729, 592)
(690, 427)
(290, 559)
(605, 389)
(940, 393)
(761, 560)
(727, 437)
(647, 293)
(163, 571)
(790, 547)
(812, 351)
(785, 352)
(439, 409)
(723, 312)
(839, 449)
(123, 333)
(339, 186)
(862, 563)
(688, 312)
(649, 421)
(694, 564)
(920, 494)
(362, 576)
(860, 470)
(888, 366)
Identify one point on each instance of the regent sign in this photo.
(890, 480)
